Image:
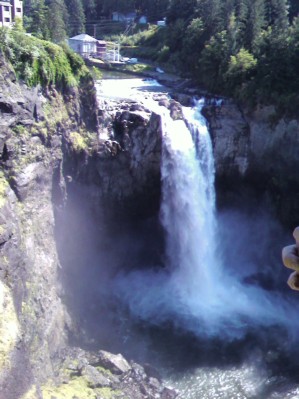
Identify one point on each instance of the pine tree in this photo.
(90, 9)
(255, 23)
(76, 24)
(211, 12)
(36, 19)
(181, 10)
(294, 9)
(277, 14)
(57, 14)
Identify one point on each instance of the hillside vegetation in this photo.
(248, 49)
(37, 61)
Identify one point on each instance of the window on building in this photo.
(6, 8)
(18, 9)
(7, 19)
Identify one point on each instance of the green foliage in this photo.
(78, 141)
(57, 20)
(40, 62)
(246, 48)
(214, 61)
(193, 44)
(36, 18)
(96, 73)
(18, 25)
(241, 67)
(76, 16)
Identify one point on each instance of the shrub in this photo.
(37, 61)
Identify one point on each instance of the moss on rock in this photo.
(9, 325)
(3, 188)
(31, 393)
(78, 387)
(78, 142)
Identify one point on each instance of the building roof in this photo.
(5, 3)
(84, 38)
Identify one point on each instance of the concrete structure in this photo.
(9, 11)
(83, 44)
(17, 9)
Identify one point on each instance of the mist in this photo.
(223, 275)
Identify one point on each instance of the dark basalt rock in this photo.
(40, 167)
(106, 370)
(255, 157)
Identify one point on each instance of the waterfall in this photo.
(196, 291)
(188, 201)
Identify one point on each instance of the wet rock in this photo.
(136, 107)
(176, 111)
(164, 103)
(183, 99)
(169, 393)
(255, 152)
(151, 372)
(115, 363)
(95, 378)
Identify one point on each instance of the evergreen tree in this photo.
(255, 23)
(294, 9)
(181, 10)
(277, 14)
(211, 13)
(57, 13)
(90, 9)
(154, 10)
(36, 21)
(76, 17)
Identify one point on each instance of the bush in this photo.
(37, 61)
(241, 68)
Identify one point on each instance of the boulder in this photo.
(117, 364)
(95, 378)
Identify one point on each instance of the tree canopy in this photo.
(244, 48)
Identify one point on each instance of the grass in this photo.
(78, 387)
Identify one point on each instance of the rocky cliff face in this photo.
(50, 147)
(63, 150)
(256, 157)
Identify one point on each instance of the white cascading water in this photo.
(209, 296)
(188, 203)
(196, 290)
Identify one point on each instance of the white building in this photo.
(9, 11)
(83, 44)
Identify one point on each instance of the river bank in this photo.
(168, 79)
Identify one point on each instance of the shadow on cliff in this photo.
(93, 247)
